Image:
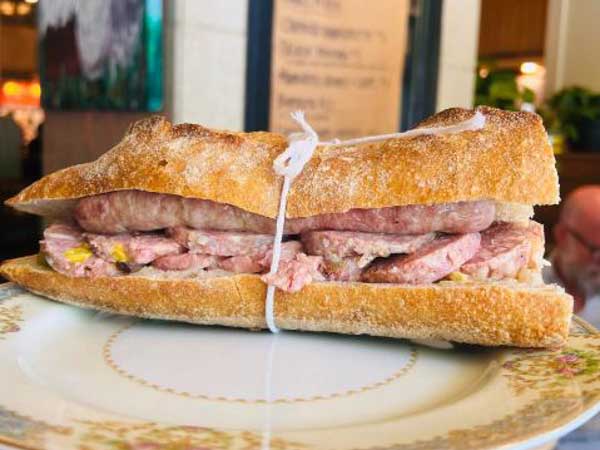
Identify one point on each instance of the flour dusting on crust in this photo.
(498, 162)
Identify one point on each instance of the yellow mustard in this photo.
(119, 254)
(458, 276)
(78, 254)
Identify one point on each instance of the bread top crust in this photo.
(509, 160)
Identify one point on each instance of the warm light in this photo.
(7, 8)
(529, 68)
(484, 72)
(21, 93)
(11, 89)
(35, 90)
(23, 9)
(31, 1)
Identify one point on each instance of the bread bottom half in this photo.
(478, 313)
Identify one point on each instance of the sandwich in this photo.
(419, 237)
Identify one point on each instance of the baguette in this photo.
(509, 160)
(479, 313)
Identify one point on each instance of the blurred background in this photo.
(74, 74)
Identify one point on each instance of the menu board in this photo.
(341, 62)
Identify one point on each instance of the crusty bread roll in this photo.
(480, 313)
(509, 161)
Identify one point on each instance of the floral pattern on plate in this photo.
(10, 318)
(17, 429)
(151, 436)
(553, 388)
(10, 315)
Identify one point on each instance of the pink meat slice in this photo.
(295, 273)
(58, 239)
(344, 269)
(222, 243)
(130, 210)
(235, 264)
(241, 264)
(334, 245)
(506, 248)
(63, 231)
(430, 263)
(289, 250)
(460, 217)
(254, 264)
(186, 261)
(138, 249)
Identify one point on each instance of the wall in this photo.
(80, 136)
(204, 52)
(18, 51)
(458, 53)
(573, 44)
(512, 28)
(206, 40)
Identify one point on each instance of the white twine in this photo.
(266, 434)
(299, 151)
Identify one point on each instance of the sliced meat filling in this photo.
(260, 263)
(459, 217)
(294, 274)
(347, 253)
(132, 249)
(430, 263)
(186, 261)
(502, 251)
(334, 245)
(241, 264)
(343, 269)
(240, 252)
(67, 252)
(130, 210)
(222, 243)
(506, 249)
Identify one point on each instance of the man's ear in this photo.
(560, 233)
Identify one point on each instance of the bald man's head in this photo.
(581, 213)
(577, 254)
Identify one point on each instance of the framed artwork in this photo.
(101, 54)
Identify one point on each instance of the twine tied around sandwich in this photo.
(300, 149)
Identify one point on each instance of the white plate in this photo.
(71, 378)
